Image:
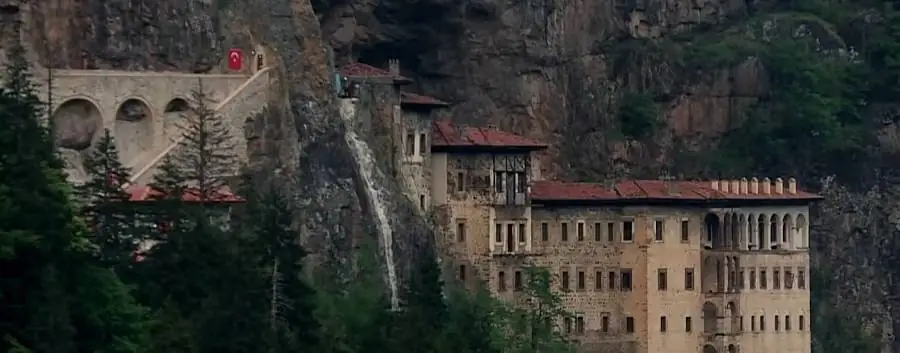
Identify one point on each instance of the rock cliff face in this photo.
(550, 69)
(300, 137)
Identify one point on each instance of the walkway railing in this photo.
(239, 104)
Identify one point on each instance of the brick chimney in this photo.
(754, 185)
(766, 186)
(779, 186)
(714, 185)
(735, 186)
(744, 185)
(792, 185)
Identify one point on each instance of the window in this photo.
(752, 279)
(410, 143)
(610, 232)
(510, 234)
(685, 229)
(580, 231)
(627, 231)
(801, 279)
(658, 230)
(629, 324)
(498, 233)
(777, 323)
(501, 281)
(545, 231)
(565, 280)
(422, 202)
(579, 324)
(787, 322)
(762, 279)
(422, 144)
(687, 324)
(788, 279)
(462, 273)
(762, 322)
(564, 231)
(567, 323)
(741, 279)
(460, 182)
(517, 281)
(461, 231)
(498, 182)
(522, 233)
(753, 323)
(689, 279)
(802, 323)
(776, 280)
(741, 323)
(612, 280)
(598, 231)
(604, 323)
(521, 183)
(661, 279)
(598, 280)
(580, 280)
(662, 324)
(625, 282)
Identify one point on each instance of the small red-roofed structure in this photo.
(412, 100)
(143, 193)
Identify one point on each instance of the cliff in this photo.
(697, 88)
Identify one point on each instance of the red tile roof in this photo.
(141, 193)
(447, 136)
(363, 70)
(407, 98)
(650, 190)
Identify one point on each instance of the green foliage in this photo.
(638, 116)
(53, 296)
(105, 203)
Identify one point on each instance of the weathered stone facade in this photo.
(643, 266)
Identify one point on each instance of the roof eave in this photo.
(486, 148)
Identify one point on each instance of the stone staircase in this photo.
(248, 99)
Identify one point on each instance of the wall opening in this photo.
(710, 318)
(76, 124)
(133, 129)
(174, 114)
(713, 231)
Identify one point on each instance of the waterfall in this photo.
(365, 164)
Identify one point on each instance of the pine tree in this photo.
(206, 154)
(105, 203)
(424, 312)
(291, 300)
(45, 255)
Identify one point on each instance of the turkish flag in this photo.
(235, 59)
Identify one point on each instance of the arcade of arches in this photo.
(76, 124)
(757, 231)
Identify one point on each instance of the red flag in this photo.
(235, 59)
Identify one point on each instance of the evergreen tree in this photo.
(105, 203)
(206, 154)
(47, 304)
(281, 256)
(424, 313)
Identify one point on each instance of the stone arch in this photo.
(802, 234)
(708, 348)
(259, 59)
(733, 316)
(174, 112)
(713, 229)
(751, 235)
(773, 231)
(761, 231)
(133, 128)
(787, 231)
(735, 232)
(76, 123)
(710, 317)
